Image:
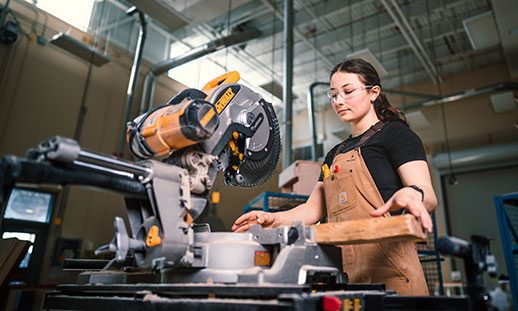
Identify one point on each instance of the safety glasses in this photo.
(346, 92)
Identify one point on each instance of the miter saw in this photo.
(181, 147)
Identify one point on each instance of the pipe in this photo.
(500, 154)
(311, 117)
(134, 76)
(82, 108)
(411, 94)
(408, 37)
(465, 94)
(287, 93)
(168, 64)
(413, 35)
(300, 35)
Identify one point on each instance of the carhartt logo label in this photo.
(342, 197)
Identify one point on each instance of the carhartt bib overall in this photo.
(352, 194)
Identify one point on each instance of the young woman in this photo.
(379, 170)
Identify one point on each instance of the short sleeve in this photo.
(403, 144)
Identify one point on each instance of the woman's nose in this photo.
(338, 100)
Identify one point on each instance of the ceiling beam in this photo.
(299, 35)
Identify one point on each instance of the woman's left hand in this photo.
(409, 199)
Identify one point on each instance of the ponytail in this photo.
(386, 112)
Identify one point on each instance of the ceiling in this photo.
(413, 40)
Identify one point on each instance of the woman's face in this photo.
(350, 97)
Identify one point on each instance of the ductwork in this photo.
(287, 88)
(135, 74)
(465, 94)
(168, 64)
(311, 115)
(408, 33)
(478, 157)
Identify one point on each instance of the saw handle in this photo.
(229, 77)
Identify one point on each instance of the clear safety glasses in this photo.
(346, 93)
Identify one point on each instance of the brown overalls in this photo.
(352, 194)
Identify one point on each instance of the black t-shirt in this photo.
(395, 144)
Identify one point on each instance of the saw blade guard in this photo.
(248, 135)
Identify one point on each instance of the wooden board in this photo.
(12, 252)
(376, 229)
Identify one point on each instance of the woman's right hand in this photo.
(244, 222)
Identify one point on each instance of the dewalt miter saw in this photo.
(224, 127)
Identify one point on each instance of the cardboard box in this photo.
(300, 177)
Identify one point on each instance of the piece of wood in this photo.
(369, 230)
(12, 252)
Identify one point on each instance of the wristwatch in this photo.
(418, 189)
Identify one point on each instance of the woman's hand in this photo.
(409, 199)
(244, 222)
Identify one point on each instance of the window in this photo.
(195, 73)
(76, 13)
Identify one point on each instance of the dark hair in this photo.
(369, 76)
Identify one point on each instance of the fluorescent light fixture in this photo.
(367, 55)
(481, 30)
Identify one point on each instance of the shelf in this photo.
(275, 202)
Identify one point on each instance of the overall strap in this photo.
(365, 138)
(370, 132)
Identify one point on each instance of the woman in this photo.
(379, 170)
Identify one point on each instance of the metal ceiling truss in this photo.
(396, 32)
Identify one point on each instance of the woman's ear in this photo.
(375, 93)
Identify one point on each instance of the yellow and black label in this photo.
(354, 304)
(224, 99)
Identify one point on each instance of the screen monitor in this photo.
(29, 205)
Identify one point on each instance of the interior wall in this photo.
(471, 209)
(470, 122)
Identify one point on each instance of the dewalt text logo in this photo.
(224, 100)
